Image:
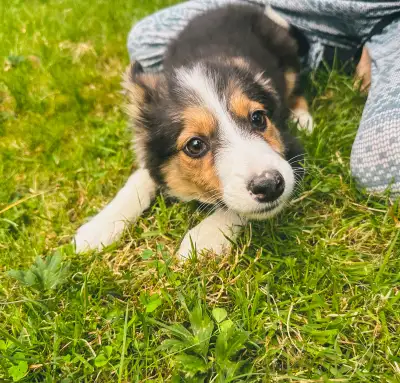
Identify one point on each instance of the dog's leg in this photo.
(301, 115)
(213, 233)
(107, 226)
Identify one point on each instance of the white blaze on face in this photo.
(241, 156)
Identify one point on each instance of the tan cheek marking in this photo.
(290, 79)
(197, 121)
(241, 105)
(193, 178)
(273, 137)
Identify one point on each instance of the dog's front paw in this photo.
(203, 238)
(98, 233)
(303, 119)
(215, 233)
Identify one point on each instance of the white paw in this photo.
(303, 119)
(215, 233)
(203, 238)
(98, 233)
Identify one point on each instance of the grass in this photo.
(311, 296)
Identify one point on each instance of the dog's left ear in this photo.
(141, 88)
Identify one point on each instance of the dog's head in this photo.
(215, 132)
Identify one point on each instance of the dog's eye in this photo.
(258, 120)
(196, 148)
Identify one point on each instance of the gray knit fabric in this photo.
(375, 158)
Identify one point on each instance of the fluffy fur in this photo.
(213, 127)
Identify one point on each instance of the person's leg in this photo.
(375, 158)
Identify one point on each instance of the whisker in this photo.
(298, 155)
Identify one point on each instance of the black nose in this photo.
(267, 187)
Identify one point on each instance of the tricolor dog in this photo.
(212, 127)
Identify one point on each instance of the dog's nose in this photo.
(267, 187)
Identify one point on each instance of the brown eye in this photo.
(258, 120)
(196, 148)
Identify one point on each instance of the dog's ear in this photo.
(136, 69)
(141, 88)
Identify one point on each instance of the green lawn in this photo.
(311, 296)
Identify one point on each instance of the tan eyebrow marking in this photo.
(197, 121)
(241, 105)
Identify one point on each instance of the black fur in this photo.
(236, 31)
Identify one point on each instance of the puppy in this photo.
(212, 127)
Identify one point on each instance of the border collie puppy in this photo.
(212, 127)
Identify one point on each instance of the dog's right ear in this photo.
(136, 69)
(141, 88)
